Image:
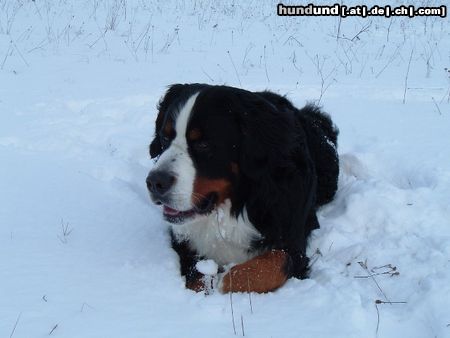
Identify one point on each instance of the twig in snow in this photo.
(406, 77)
(65, 231)
(356, 36)
(323, 78)
(143, 36)
(331, 245)
(379, 301)
(294, 62)
(315, 257)
(170, 40)
(15, 325)
(292, 38)
(265, 64)
(386, 266)
(339, 28)
(362, 30)
(6, 56)
(102, 36)
(242, 326)
(247, 50)
(153, 39)
(85, 305)
(249, 294)
(209, 77)
(54, 328)
(392, 271)
(235, 70)
(132, 51)
(378, 319)
(389, 29)
(391, 58)
(364, 266)
(437, 106)
(231, 305)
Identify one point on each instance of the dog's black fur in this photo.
(287, 159)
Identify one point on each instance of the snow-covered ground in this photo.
(83, 253)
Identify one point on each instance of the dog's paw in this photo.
(205, 277)
(196, 284)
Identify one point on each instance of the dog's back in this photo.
(322, 143)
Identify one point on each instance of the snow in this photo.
(83, 253)
(207, 267)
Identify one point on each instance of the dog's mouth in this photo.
(205, 206)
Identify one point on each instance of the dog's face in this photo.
(196, 148)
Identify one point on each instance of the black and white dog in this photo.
(240, 176)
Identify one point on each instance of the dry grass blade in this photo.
(231, 305)
(53, 329)
(364, 266)
(15, 325)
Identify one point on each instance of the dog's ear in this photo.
(266, 137)
(164, 104)
(277, 173)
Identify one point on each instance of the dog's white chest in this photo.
(219, 236)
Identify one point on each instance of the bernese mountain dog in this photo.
(240, 176)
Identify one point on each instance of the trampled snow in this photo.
(83, 253)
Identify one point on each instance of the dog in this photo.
(240, 176)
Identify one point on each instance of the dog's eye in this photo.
(165, 140)
(202, 146)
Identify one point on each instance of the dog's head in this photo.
(210, 141)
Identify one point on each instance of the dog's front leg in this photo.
(188, 261)
(261, 274)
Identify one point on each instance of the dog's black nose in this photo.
(159, 182)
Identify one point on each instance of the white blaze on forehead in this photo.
(182, 122)
(177, 161)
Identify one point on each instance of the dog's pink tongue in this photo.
(170, 211)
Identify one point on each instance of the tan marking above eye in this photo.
(194, 134)
(203, 186)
